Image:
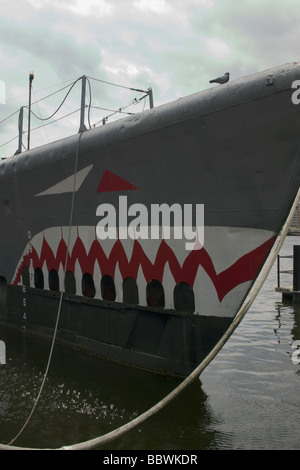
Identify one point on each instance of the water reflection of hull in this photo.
(83, 400)
(150, 302)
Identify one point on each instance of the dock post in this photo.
(296, 274)
(31, 77)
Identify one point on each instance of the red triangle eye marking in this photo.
(112, 182)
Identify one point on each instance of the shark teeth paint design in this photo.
(215, 290)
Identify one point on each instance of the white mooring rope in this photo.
(98, 441)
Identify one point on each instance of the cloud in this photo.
(259, 34)
(173, 46)
(79, 7)
(156, 6)
(218, 48)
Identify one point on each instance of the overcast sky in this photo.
(173, 46)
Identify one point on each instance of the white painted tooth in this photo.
(46, 275)
(53, 237)
(177, 245)
(87, 236)
(31, 274)
(16, 271)
(61, 277)
(150, 248)
(179, 250)
(78, 277)
(107, 245)
(37, 243)
(206, 299)
(118, 284)
(128, 244)
(169, 284)
(97, 280)
(73, 236)
(142, 285)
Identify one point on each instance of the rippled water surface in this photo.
(247, 398)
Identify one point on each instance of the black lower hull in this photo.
(165, 342)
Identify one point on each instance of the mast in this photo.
(31, 77)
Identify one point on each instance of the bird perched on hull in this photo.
(223, 79)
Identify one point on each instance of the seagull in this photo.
(221, 80)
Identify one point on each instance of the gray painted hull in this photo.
(233, 148)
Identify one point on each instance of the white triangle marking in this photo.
(67, 185)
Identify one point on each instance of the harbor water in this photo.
(247, 398)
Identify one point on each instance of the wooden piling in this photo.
(296, 274)
(290, 293)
